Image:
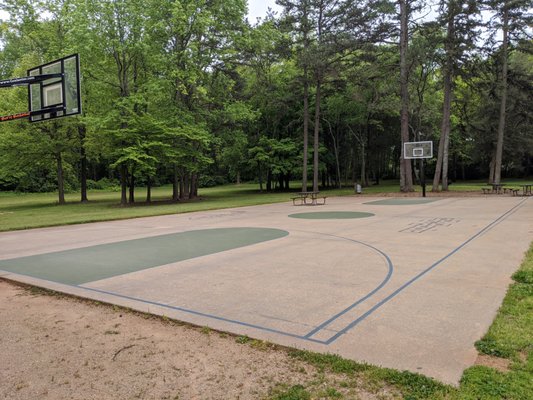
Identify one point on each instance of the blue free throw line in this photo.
(370, 294)
(417, 277)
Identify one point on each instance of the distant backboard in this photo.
(58, 96)
(416, 150)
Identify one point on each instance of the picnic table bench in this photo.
(494, 188)
(308, 199)
(498, 188)
(527, 189)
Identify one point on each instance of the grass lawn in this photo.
(33, 210)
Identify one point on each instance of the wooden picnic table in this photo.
(308, 198)
(526, 189)
(496, 187)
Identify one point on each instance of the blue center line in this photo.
(421, 274)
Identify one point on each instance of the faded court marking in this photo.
(218, 215)
(430, 224)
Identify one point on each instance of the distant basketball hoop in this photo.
(419, 151)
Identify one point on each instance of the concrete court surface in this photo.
(410, 285)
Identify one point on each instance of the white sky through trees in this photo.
(258, 8)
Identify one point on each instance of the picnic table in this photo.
(494, 188)
(526, 189)
(308, 199)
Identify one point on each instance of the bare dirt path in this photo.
(58, 347)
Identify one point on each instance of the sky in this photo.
(258, 8)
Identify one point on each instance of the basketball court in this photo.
(406, 283)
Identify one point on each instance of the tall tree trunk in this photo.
(306, 130)
(132, 187)
(193, 192)
(338, 169)
(175, 183)
(238, 179)
(446, 156)
(269, 181)
(260, 173)
(182, 187)
(441, 169)
(492, 163)
(83, 165)
(406, 174)
(123, 185)
(354, 168)
(306, 28)
(503, 104)
(363, 166)
(60, 179)
(316, 134)
(149, 190)
(338, 178)
(186, 185)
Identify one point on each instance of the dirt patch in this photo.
(59, 347)
(499, 364)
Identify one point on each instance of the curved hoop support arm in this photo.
(28, 114)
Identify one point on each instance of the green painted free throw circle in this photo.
(332, 215)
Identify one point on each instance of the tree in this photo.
(330, 31)
(514, 16)
(406, 178)
(461, 23)
(297, 14)
(195, 41)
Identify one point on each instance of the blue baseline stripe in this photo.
(417, 277)
(361, 300)
(201, 314)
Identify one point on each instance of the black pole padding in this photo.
(423, 177)
(28, 80)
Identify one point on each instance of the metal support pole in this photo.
(422, 177)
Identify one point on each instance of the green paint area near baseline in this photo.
(332, 215)
(401, 202)
(93, 263)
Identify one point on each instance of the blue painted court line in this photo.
(417, 277)
(364, 298)
(201, 314)
(154, 303)
(241, 323)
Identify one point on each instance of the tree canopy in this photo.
(190, 93)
